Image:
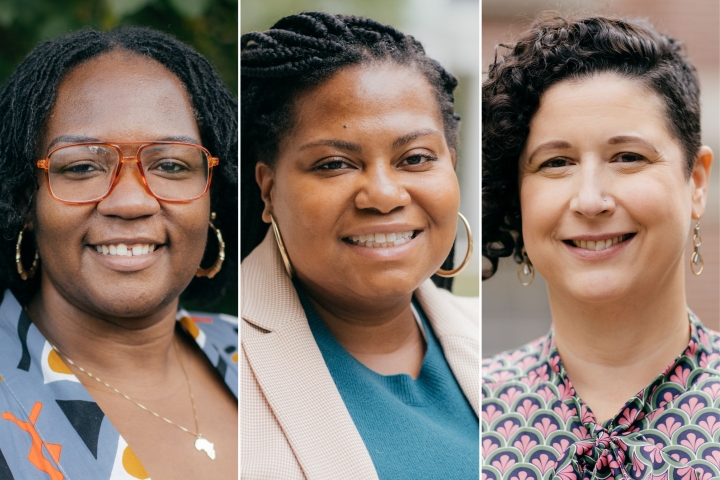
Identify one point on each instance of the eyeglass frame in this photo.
(44, 164)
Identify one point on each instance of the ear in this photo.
(265, 178)
(699, 180)
(453, 157)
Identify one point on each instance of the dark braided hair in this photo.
(28, 96)
(298, 53)
(554, 49)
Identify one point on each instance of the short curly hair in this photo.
(553, 49)
(28, 96)
(298, 53)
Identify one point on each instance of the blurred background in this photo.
(209, 26)
(448, 29)
(514, 315)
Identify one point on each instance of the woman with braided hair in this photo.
(118, 193)
(355, 364)
(594, 174)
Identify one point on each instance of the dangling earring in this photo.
(525, 270)
(212, 271)
(281, 247)
(468, 254)
(696, 260)
(29, 273)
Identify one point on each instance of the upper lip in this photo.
(128, 241)
(597, 237)
(386, 228)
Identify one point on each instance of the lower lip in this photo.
(384, 253)
(594, 255)
(127, 264)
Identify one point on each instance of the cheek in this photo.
(542, 206)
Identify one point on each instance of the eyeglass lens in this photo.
(85, 172)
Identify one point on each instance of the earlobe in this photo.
(265, 178)
(700, 178)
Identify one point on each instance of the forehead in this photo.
(368, 93)
(121, 94)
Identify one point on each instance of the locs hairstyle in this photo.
(554, 49)
(298, 53)
(27, 98)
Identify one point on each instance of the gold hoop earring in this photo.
(696, 260)
(210, 272)
(468, 254)
(30, 272)
(525, 270)
(281, 247)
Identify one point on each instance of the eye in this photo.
(169, 166)
(419, 159)
(627, 157)
(78, 169)
(333, 164)
(555, 163)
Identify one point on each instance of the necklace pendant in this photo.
(204, 445)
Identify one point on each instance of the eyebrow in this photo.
(405, 139)
(84, 139)
(551, 145)
(620, 139)
(355, 148)
(340, 144)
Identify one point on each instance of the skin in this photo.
(367, 152)
(619, 319)
(87, 309)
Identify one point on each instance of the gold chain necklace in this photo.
(201, 443)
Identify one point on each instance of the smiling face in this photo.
(363, 189)
(606, 204)
(119, 97)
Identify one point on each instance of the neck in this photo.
(625, 343)
(381, 334)
(138, 344)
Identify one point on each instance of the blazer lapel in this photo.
(292, 374)
(459, 339)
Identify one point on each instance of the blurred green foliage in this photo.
(262, 14)
(210, 26)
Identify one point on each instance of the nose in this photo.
(592, 197)
(129, 197)
(381, 189)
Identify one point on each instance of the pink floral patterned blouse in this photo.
(534, 426)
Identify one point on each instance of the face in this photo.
(367, 161)
(606, 203)
(119, 97)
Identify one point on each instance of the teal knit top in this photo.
(413, 429)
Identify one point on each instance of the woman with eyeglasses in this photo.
(354, 364)
(118, 160)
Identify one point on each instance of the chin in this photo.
(598, 289)
(129, 303)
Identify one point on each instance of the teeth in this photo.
(381, 240)
(124, 250)
(600, 244)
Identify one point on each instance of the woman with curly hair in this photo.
(593, 174)
(355, 364)
(118, 160)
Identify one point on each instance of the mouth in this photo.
(598, 245)
(381, 240)
(126, 250)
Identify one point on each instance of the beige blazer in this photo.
(294, 424)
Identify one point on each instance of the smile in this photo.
(381, 240)
(599, 245)
(124, 250)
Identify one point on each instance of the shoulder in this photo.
(468, 306)
(515, 364)
(219, 328)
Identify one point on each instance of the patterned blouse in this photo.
(534, 426)
(50, 426)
